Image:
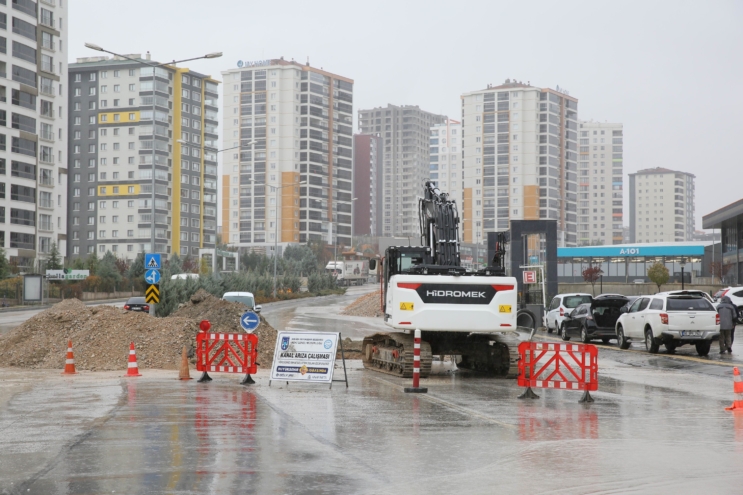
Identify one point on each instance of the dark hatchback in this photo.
(136, 304)
(594, 320)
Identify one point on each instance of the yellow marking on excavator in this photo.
(406, 306)
(504, 308)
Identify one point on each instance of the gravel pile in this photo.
(101, 335)
(366, 305)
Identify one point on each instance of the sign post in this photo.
(152, 266)
(307, 357)
(249, 321)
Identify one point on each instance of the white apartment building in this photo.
(520, 159)
(293, 169)
(661, 203)
(600, 220)
(33, 148)
(446, 159)
(406, 132)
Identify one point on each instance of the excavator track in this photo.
(495, 353)
(392, 353)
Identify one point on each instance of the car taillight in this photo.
(146, 308)
(664, 318)
(126, 306)
(562, 312)
(717, 319)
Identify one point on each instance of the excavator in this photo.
(470, 314)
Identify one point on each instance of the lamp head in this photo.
(213, 55)
(93, 46)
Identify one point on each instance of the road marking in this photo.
(731, 364)
(445, 403)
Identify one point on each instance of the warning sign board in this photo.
(406, 306)
(152, 294)
(304, 356)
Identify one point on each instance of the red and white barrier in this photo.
(561, 366)
(416, 388)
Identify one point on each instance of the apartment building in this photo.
(406, 161)
(126, 121)
(446, 159)
(520, 159)
(600, 220)
(33, 155)
(661, 206)
(293, 126)
(367, 161)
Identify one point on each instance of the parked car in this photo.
(594, 320)
(561, 305)
(669, 319)
(736, 296)
(136, 304)
(245, 298)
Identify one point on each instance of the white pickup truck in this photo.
(669, 319)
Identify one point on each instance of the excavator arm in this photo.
(439, 225)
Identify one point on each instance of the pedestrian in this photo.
(728, 313)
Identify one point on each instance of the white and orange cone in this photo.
(738, 391)
(69, 365)
(132, 369)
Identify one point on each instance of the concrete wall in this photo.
(632, 289)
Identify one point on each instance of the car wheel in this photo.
(703, 347)
(650, 344)
(549, 328)
(740, 315)
(622, 341)
(671, 348)
(564, 333)
(584, 335)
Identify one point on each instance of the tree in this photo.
(91, 263)
(107, 271)
(53, 261)
(658, 274)
(591, 275)
(4, 265)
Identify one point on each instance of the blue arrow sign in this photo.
(249, 321)
(152, 261)
(152, 276)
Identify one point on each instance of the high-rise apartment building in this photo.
(33, 154)
(446, 159)
(600, 219)
(367, 159)
(661, 206)
(520, 159)
(406, 131)
(113, 143)
(293, 124)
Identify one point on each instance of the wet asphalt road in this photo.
(657, 426)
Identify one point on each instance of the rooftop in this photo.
(714, 220)
(660, 170)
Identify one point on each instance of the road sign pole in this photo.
(152, 267)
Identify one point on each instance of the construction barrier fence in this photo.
(561, 366)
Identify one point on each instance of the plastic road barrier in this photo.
(563, 366)
(226, 353)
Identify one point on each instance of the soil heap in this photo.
(224, 316)
(101, 335)
(366, 305)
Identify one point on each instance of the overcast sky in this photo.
(670, 71)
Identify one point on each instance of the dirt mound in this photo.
(224, 316)
(101, 335)
(366, 305)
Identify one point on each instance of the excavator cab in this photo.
(401, 259)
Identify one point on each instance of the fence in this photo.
(226, 353)
(562, 366)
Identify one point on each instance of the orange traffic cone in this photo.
(69, 365)
(132, 369)
(185, 373)
(738, 391)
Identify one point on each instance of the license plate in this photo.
(136, 309)
(691, 333)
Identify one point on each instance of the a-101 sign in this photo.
(67, 274)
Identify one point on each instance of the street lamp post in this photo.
(683, 264)
(154, 110)
(276, 231)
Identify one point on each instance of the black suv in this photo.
(594, 320)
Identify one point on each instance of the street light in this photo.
(682, 263)
(95, 47)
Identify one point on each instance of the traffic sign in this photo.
(530, 277)
(152, 294)
(152, 261)
(249, 321)
(152, 277)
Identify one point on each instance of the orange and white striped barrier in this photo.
(69, 364)
(738, 391)
(416, 388)
(132, 368)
